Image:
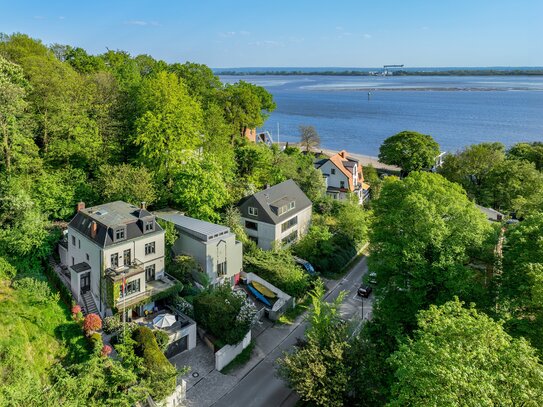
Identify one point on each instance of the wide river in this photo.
(456, 111)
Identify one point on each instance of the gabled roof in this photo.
(110, 216)
(268, 201)
(345, 164)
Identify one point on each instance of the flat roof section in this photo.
(200, 229)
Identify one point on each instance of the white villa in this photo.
(113, 243)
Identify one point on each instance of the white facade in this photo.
(82, 249)
(224, 252)
(337, 183)
(268, 235)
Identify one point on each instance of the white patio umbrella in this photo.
(164, 320)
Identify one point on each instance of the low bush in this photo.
(162, 339)
(7, 271)
(106, 350)
(182, 305)
(160, 372)
(96, 341)
(112, 324)
(224, 314)
(92, 323)
(279, 269)
(36, 291)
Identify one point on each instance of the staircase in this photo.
(89, 307)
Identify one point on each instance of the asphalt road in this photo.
(261, 386)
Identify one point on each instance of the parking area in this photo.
(201, 361)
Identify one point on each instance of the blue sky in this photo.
(348, 33)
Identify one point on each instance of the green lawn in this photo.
(33, 337)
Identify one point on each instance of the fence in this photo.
(228, 352)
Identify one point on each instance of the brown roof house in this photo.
(343, 175)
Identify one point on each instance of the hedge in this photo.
(160, 372)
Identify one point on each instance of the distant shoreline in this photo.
(467, 72)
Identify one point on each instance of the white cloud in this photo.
(39, 18)
(266, 43)
(244, 33)
(61, 17)
(367, 36)
(228, 34)
(141, 23)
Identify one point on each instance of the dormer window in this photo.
(149, 226)
(253, 211)
(333, 171)
(120, 234)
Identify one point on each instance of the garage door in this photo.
(177, 347)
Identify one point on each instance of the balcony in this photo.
(117, 273)
(153, 288)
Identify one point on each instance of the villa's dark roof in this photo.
(267, 200)
(110, 217)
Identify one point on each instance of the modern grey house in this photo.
(214, 247)
(109, 244)
(277, 215)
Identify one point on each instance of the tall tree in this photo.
(521, 290)
(532, 152)
(18, 148)
(246, 106)
(423, 232)
(309, 138)
(169, 129)
(409, 150)
(461, 357)
(471, 166)
(125, 182)
(316, 369)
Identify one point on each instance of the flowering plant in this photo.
(106, 350)
(92, 323)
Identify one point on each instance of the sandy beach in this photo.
(363, 159)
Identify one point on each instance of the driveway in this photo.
(260, 386)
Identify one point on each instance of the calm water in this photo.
(456, 111)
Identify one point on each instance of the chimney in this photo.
(142, 205)
(342, 153)
(80, 206)
(267, 186)
(93, 229)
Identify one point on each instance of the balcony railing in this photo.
(152, 288)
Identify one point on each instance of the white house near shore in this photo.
(277, 215)
(111, 244)
(214, 247)
(343, 176)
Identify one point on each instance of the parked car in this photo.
(364, 290)
(372, 278)
(307, 266)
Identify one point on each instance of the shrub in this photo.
(160, 372)
(182, 305)
(162, 339)
(36, 291)
(7, 271)
(76, 309)
(279, 269)
(112, 324)
(96, 341)
(224, 314)
(106, 351)
(92, 323)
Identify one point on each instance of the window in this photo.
(285, 208)
(292, 205)
(130, 288)
(333, 171)
(254, 239)
(73, 240)
(342, 184)
(150, 272)
(221, 269)
(253, 211)
(288, 224)
(251, 225)
(149, 248)
(87, 256)
(78, 243)
(149, 226)
(115, 260)
(73, 261)
(127, 257)
(119, 234)
(290, 238)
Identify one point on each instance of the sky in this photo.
(294, 33)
